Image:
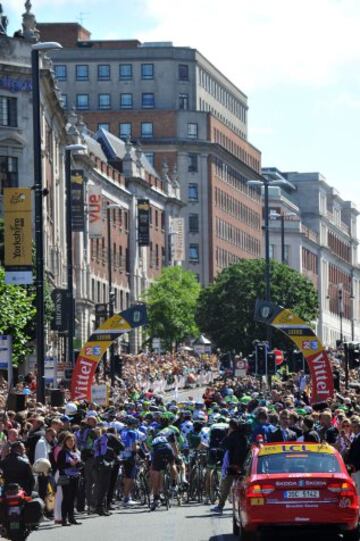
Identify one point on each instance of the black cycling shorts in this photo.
(215, 456)
(161, 456)
(129, 468)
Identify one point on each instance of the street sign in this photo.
(59, 321)
(5, 351)
(100, 394)
(240, 368)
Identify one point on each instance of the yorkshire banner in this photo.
(98, 343)
(18, 235)
(306, 341)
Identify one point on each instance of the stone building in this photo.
(320, 242)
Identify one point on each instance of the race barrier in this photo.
(306, 341)
(97, 345)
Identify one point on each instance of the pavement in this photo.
(185, 523)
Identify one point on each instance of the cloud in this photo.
(263, 43)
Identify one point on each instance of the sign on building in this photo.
(5, 351)
(18, 236)
(95, 210)
(178, 236)
(144, 210)
(77, 200)
(61, 304)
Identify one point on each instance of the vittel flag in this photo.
(98, 343)
(306, 341)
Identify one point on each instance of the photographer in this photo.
(236, 449)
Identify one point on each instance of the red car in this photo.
(295, 485)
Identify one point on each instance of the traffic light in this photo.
(271, 364)
(251, 363)
(296, 361)
(118, 363)
(354, 355)
(261, 354)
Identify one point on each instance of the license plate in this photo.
(299, 494)
(14, 525)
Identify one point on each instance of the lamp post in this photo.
(282, 217)
(266, 183)
(39, 221)
(111, 292)
(69, 250)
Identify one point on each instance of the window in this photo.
(103, 126)
(194, 253)
(82, 72)
(193, 223)
(183, 72)
(8, 172)
(184, 101)
(192, 131)
(8, 111)
(147, 71)
(286, 253)
(126, 101)
(82, 101)
(125, 72)
(104, 101)
(64, 101)
(60, 72)
(125, 130)
(103, 72)
(193, 163)
(272, 251)
(147, 100)
(150, 156)
(193, 192)
(146, 129)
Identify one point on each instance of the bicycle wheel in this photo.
(214, 486)
(166, 491)
(192, 483)
(199, 484)
(144, 491)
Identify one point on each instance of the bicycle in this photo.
(197, 476)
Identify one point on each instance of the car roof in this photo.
(293, 447)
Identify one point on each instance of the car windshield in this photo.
(298, 463)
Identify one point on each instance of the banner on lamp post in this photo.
(77, 200)
(18, 236)
(60, 299)
(144, 210)
(95, 211)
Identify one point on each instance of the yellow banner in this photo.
(18, 227)
(296, 448)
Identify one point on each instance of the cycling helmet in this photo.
(199, 415)
(130, 420)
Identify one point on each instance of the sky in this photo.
(298, 61)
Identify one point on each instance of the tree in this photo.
(16, 312)
(172, 301)
(226, 308)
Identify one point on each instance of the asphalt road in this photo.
(186, 523)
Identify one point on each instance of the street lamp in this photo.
(111, 292)
(38, 197)
(266, 182)
(69, 251)
(282, 217)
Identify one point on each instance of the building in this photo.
(16, 149)
(186, 114)
(123, 177)
(320, 241)
(121, 172)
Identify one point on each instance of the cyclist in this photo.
(163, 454)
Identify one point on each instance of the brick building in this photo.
(187, 114)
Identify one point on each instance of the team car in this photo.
(295, 485)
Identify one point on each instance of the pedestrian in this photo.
(69, 464)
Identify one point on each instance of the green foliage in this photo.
(226, 308)
(16, 312)
(172, 301)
